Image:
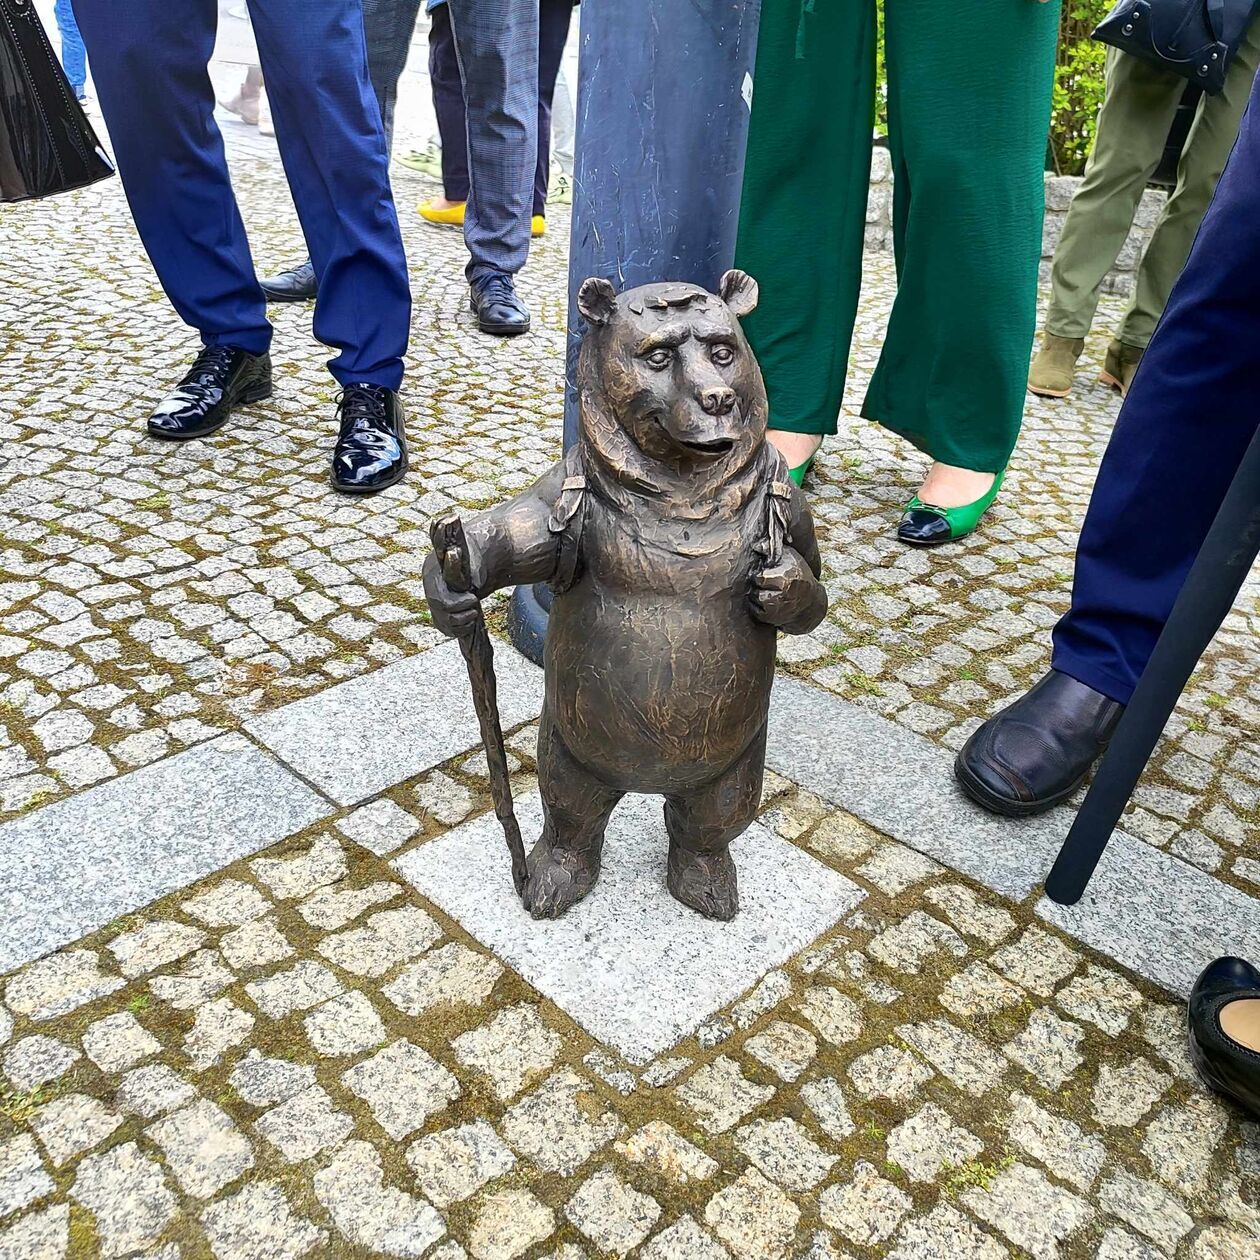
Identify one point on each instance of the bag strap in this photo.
(568, 518)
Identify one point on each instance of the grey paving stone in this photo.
(360, 737)
(631, 965)
(128, 1196)
(23, 1180)
(1159, 916)
(78, 863)
(903, 784)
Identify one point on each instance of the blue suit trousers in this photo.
(1189, 416)
(149, 61)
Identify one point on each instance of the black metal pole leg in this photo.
(1211, 587)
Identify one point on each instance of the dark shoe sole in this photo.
(288, 297)
(1042, 392)
(399, 473)
(503, 330)
(1007, 808)
(257, 394)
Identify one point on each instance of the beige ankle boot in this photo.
(1120, 366)
(1055, 365)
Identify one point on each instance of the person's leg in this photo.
(73, 55)
(388, 26)
(803, 213)
(1207, 150)
(497, 45)
(1189, 416)
(554, 17)
(968, 187)
(331, 141)
(448, 105)
(149, 60)
(1193, 408)
(1137, 114)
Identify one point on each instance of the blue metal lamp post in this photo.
(663, 105)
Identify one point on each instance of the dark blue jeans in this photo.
(73, 56)
(1189, 416)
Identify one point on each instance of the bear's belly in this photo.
(655, 692)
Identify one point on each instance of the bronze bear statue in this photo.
(676, 547)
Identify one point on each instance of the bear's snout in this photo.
(718, 400)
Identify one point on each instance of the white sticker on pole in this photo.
(747, 90)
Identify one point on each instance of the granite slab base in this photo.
(637, 970)
(73, 866)
(1159, 916)
(361, 737)
(903, 785)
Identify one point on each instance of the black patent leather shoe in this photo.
(1036, 753)
(371, 450)
(219, 380)
(1226, 1065)
(498, 306)
(298, 284)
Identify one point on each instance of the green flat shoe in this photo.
(923, 525)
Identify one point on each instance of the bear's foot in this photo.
(707, 882)
(558, 879)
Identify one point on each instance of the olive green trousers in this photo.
(1138, 111)
(968, 111)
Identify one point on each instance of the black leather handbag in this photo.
(47, 144)
(1196, 39)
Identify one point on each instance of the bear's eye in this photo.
(660, 358)
(722, 355)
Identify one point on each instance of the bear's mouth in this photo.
(715, 446)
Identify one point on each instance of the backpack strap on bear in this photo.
(568, 517)
(778, 513)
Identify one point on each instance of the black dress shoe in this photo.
(298, 284)
(498, 306)
(1227, 1066)
(371, 450)
(219, 380)
(1036, 753)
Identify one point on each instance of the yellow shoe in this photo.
(452, 216)
(538, 226)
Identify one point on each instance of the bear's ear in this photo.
(596, 300)
(739, 291)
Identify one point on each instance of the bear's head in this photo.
(668, 367)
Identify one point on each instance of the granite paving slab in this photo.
(637, 970)
(903, 784)
(360, 737)
(73, 865)
(1158, 915)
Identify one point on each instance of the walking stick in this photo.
(451, 548)
(1212, 585)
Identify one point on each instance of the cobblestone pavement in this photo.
(299, 1054)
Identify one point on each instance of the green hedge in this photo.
(1078, 87)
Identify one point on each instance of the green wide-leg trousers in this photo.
(968, 106)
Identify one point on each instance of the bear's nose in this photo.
(717, 401)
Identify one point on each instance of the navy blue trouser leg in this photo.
(149, 62)
(1189, 416)
(554, 18)
(150, 59)
(448, 105)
